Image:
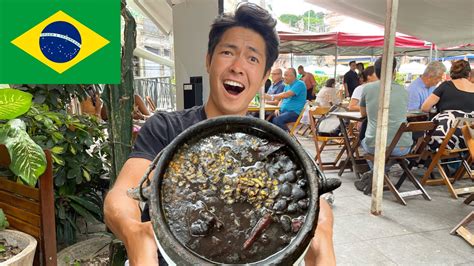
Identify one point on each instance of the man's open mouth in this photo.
(233, 87)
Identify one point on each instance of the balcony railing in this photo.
(160, 89)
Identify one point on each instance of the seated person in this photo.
(140, 111)
(327, 95)
(424, 85)
(277, 86)
(454, 98)
(368, 75)
(293, 100)
(369, 106)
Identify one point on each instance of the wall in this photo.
(191, 24)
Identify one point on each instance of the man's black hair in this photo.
(252, 17)
(378, 67)
(350, 63)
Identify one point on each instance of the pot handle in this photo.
(325, 184)
(142, 193)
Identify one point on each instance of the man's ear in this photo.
(208, 62)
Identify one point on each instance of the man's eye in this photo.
(226, 53)
(254, 59)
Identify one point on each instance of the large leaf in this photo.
(27, 158)
(14, 103)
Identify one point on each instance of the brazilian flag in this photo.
(59, 41)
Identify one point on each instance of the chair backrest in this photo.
(31, 210)
(423, 126)
(297, 122)
(468, 133)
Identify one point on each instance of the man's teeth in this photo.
(233, 83)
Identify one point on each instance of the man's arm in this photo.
(122, 215)
(321, 250)
(414, 100)
(280, 96)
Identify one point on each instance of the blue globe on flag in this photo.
(60, 42)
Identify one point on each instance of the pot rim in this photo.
(250, 125)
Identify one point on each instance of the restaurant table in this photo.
(350, 149)
(267, 107)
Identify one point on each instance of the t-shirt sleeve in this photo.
(441, 88)
(151, 138)
(358, 92)
(414, 99)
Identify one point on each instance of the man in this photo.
(242, 47)
(309, 82)
(277, 86)
(293, 100)
(351, 79)
(424, 85)
(369, 106)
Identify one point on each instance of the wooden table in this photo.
(350, 149)
(267, 107)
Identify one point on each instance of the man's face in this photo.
(353, 66)
(434, 80)
(289, 77)
(236, 72)
(276, 75)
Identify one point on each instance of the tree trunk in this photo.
(118, 100)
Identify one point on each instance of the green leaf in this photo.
(83, 212)
(14, 103)
(57, 160)
(2, 248)
(86, 175)
(57, 150)
(86, 204)
(28, 159)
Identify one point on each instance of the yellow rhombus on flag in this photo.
(41, 45)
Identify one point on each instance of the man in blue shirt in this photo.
(293, 100)
(278, 86)
(423, 86)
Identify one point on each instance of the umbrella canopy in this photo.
(445, 23)
(412, 68)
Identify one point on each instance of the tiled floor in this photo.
(416, 234)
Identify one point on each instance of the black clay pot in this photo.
(318, 185)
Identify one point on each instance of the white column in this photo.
(191, 25)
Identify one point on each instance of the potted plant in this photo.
(16, 248)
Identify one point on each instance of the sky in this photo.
(297, 7)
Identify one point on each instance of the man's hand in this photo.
(140, 244)
(277, 113)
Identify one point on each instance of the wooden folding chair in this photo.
(444, 153)
(314, 115)
(294, 125)
(31, 210)
(151, 104)
(416, 153)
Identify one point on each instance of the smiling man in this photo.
(241, 50)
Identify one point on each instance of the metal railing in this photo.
(160, 89)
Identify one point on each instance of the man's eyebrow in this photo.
(233, 46)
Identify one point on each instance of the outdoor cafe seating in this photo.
(444, 156)
(415, 154)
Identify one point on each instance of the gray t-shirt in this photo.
(396, 116)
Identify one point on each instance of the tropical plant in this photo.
(79, 154)
(3, 225)
(28, 161)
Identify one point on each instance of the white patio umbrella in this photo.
(412, 68)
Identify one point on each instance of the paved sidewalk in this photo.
(415, 234)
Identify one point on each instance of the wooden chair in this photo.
(443, 153)
(416, 153)
(31, 210)
(462, 228)
(294, 125)
(151, 104)
(314, 114)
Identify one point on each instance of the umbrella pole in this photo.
(384, 104)
(262, 103)
(335, 64)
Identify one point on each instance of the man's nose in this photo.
(236, 66)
